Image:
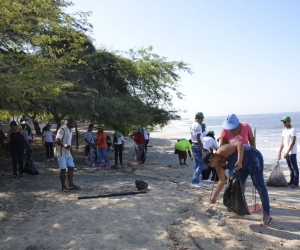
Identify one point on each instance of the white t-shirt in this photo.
(146, 135)
(209, 142)
(65, 135)
(29, 137)
(119, 141)
(287, 135)
(196, 130)
(48, 134)
(204, 133)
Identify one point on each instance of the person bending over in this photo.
(247, 161)
(182, 148)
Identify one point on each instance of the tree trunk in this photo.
(35, 124)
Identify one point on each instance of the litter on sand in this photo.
(216, 214)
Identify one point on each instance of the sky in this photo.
(244, 54)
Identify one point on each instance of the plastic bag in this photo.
(276, 178)
(30, 167)
(234, 198)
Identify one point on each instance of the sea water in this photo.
(268, 129)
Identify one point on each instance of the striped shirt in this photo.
(65, 135)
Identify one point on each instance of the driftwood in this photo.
(196, 242)
(111, 195)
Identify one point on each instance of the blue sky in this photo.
(245, 55)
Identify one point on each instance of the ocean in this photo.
(268, 129)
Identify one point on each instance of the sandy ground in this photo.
(35, 214)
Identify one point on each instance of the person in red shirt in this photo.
(139, 141)
(102, 148)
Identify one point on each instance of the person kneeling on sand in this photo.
(247, 161)
(182, 148)
(209, 143)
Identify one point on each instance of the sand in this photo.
(35, 214)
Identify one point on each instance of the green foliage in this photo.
(49, 67)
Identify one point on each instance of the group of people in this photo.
(98, 145)
(236, 152)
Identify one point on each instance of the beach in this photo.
(35, 214)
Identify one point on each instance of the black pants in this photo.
(49, 147)
(145, 145)
(118, 150)
(17, 157)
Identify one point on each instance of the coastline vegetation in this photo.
(50, 69)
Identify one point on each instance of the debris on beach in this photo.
(216, 214)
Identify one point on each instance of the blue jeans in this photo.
(255, 169)
(90, 158)
(101, 152)
(294, 170)
(199, 166)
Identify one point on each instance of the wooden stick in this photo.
(196, 242)
(111, 195)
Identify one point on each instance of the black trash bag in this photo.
(234, 198)
(276, 178)
(30, 167)
(141, 185)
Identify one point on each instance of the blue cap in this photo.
(231, 122)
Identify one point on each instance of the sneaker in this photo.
(292, 186)
(87, 162)
(21, 177)
(208, 181)
(14, 177)
(48, 160)
(108, 166)
(52, 159)
(93, 165)
(100, 168)
(197, 185)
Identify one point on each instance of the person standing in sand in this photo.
(288, 143)
(102, 148)
(139, 142)
(118, 147)
(181, 146)
(146, 136)
(209, 143)
(197, 148)
(65, 154)
(47, 137)
(90, 142)
(247, 161)
(16, 138)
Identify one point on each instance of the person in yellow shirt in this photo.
(182, 148)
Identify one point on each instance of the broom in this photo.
(254, 206)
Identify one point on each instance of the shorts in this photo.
(64, 162)
(177, 151)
